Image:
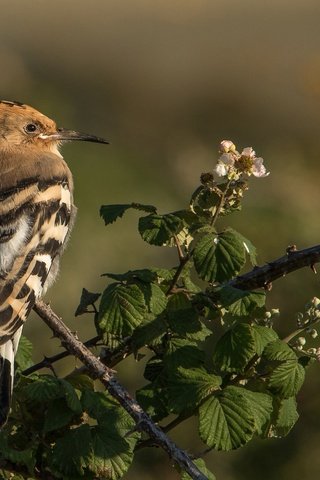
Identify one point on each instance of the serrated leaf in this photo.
(263, 336)
(226, 420)
(71, 453)
(219, 257)
(153, 400)
(121, 309)
(144, 275)
(103, 408)
(110, 213)
(149, 331)
(262, 407)
(58, 415)
(199, 462)
(159, 229)
(155, 299)
(18, 456)
(23, 357)
(44, 388)
(71, 397)
(279, 351)
(181, 353)
(80, 381)
(111, 454)
(188, 387)
(185, 322)
(87, 298)
(286, 416)
(250, 249)
(287, 378)
(241, 303)
(235, 349)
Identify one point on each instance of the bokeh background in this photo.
(165, 82)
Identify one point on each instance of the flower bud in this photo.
(227, 146)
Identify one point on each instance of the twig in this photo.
(105, 375)
(47, 362)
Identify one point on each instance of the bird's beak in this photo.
(67, 135)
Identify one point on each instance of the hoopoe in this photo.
(36, 217)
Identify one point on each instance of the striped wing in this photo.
(35, 219)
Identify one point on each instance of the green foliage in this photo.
(211, 351)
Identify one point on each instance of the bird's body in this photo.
(36, 217)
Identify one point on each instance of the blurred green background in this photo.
(165, 82)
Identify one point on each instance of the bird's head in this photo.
(21, 126)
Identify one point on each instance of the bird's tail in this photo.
(7, 354)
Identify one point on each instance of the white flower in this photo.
(258, 169)
(248, 152)
(225, 163)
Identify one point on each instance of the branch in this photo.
(262, 277)
(106, 376)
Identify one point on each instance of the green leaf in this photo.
(87, 298)
(287, 374)
(18, 456)
(262, 407)
(71, 397)
(154, 368)
(144, 275)
(153, 400)
(279, 351)
(121, 309)
(23, 357)
(110, 213)
(102, 407)
(154, 297)
(111, 454)
(263, 336)
(235, 349)
(226, 420)
(181, 353)
(286, 416)
(199, 462)
(44, 388)
(219, 257)
(149, 332)
(188, 387)
(71, 453)
(241, 303)
(159, 229)
(287, 379)
(250, 249)
(57, 416)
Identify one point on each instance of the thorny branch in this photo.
(259, 277)
(106, 376)
(262, 277)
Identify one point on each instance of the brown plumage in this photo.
(36, 217)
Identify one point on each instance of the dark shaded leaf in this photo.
(110, 213)
(159, 229)
(87, 298)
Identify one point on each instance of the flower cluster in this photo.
(233, 164)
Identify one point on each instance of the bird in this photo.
(37, 213)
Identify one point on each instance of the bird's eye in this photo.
(31, 128)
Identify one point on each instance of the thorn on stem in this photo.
(267, 286)
(291, 249)
(313, 268)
